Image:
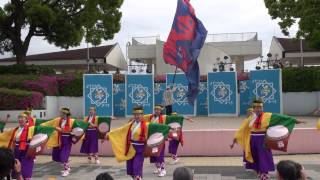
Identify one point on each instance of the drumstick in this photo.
(8, 116)
(4, 121)
(233, 143)
(189, 119)
(58, 129)
(300, 122)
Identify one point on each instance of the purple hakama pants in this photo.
(90, 143)
(159, 161)
(135, 165)
(262, 156)
(26, 162)
(173, 146)
(62, 153)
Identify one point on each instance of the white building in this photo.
(294, 52)
(101, 58)
(238, 47)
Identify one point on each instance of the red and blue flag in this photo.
(183, 45)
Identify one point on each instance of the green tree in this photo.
(63, 23)
(305, 12)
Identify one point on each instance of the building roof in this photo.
(99, 52)
(293, 45)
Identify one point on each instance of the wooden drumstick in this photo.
(300, 122)
(189, 119)
(6, 120)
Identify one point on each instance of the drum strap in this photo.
(257, 122)
(31, 121)
(93, 119)
(135, 128)
(142, 136)
(66, 128)
(24, 138)
(143, 131)
(160, 120)
(67, 125)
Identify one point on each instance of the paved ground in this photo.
(211, 168)
(207, 123)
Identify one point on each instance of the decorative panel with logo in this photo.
(267, 86)
(180, 87)
(202, 100)
(119, 99)
(222, 94)
(97, 92)
(139, 92)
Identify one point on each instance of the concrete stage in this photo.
(211, 136)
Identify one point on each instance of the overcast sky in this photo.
(154, 17)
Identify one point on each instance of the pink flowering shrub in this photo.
(48, 85)
(35, 101)
(71, 86)
(15, 99)
(64, 81)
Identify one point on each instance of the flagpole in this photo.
(174, 76)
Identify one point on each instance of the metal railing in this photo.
(223, 37)
(148, 40)
(229, 37)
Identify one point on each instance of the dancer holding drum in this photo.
(22, 140)
(128, 143)
(135, 139)
(175, 122)
(137, 136)
(97, 126)
(253, 133)
(158, 118)
(61, 141)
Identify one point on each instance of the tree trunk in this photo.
(21, 59)
(20, 53)
(19, 46)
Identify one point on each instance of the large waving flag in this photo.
(184, 43)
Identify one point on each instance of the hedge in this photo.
(16, 81)
(26, 69)
(71, 87)
(48, 85)
(305, 79)
(20, 99)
